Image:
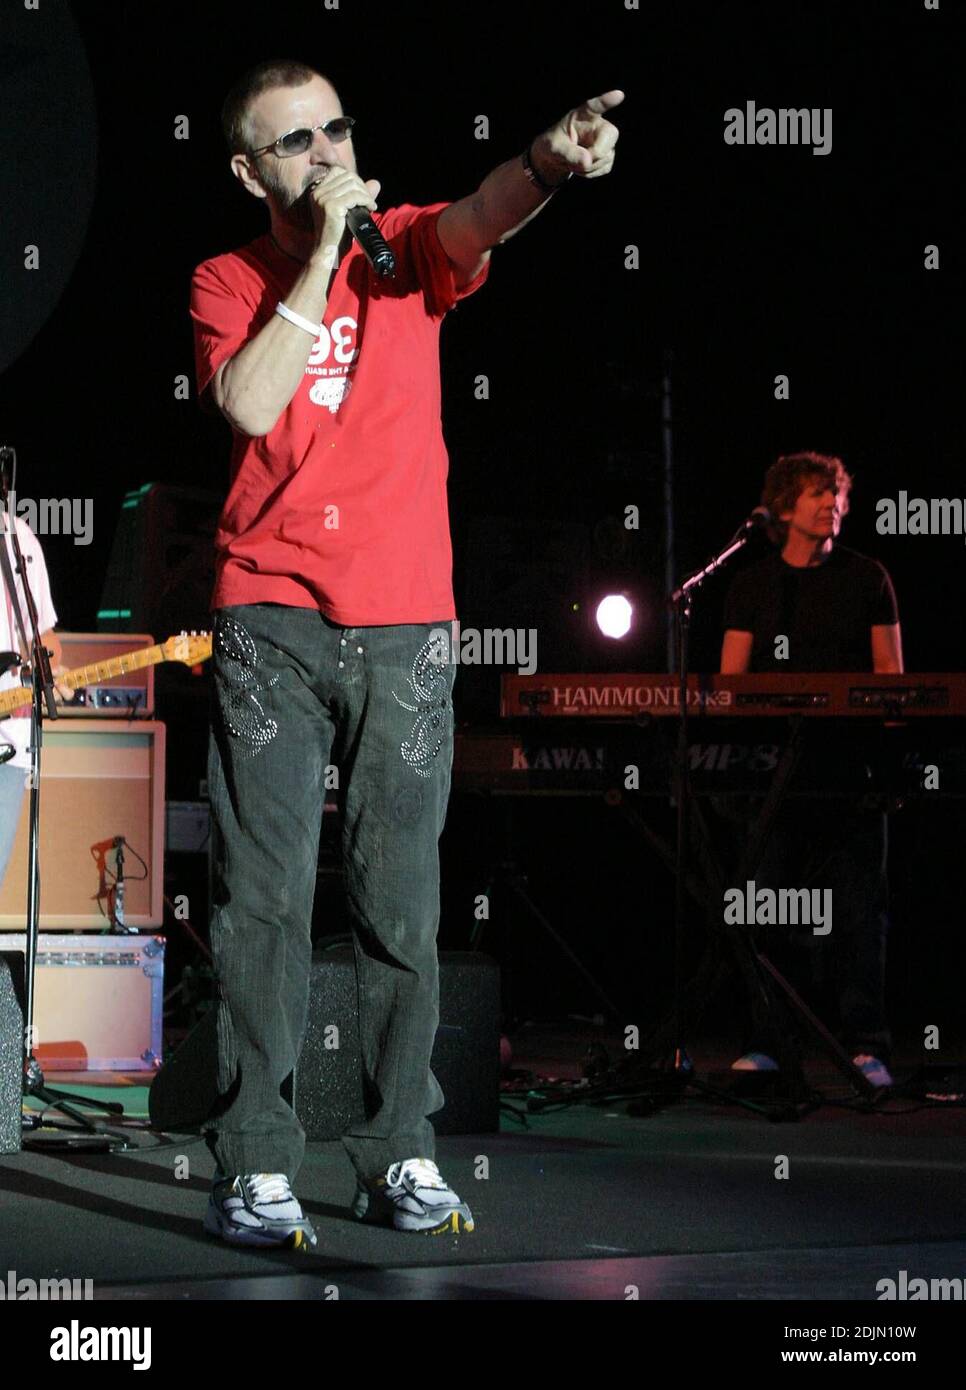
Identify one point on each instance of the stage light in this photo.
(614, 615)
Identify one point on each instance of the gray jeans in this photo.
(296, 695)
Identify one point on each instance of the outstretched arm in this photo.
(580, 143)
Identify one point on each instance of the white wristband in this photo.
(314, 328)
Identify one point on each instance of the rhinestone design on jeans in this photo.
(430, 688)
(239, 690)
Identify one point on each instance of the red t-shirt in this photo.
(342, 507)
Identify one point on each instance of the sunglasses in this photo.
(298, 141)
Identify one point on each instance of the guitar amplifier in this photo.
(115, 697)
(98, 780)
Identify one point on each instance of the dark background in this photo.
(753, 261)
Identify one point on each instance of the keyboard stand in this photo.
(758, 974)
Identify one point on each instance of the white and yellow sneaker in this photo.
(755, 1061)
(873, 1069)
(257, 1209)
(412, 1196)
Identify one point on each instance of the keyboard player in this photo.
(814, 605)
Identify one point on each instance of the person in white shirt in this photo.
(15, 730)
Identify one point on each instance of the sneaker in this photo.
(257, 1209)
(877, 1072)
(755, 1061)
(412, 1196)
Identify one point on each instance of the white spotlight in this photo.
(614, 615)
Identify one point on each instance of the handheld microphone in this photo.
(367, 234)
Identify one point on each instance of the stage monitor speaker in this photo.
(11, 1049)
(327, 1084)
(98, 781)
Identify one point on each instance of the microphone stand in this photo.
(681, 600)
(42, 680)
(118, 923)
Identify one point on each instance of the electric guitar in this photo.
(191, 649)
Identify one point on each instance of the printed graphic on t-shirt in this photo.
(331, 362)
(377, 466)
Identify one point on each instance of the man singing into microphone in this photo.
(333, 580)
(814, 606)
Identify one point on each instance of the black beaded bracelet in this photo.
(535, 178)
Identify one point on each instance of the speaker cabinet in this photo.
(326, 1089)
(327, 1086)
(161, 568)
(97, 781)
(11, 1049)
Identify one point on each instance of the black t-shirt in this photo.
(824, 610)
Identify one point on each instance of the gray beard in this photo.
(298, 215)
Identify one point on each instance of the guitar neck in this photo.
(114, 666)
(86, 675)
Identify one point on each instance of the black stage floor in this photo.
(580, 1204)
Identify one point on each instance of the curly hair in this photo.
(790, 475)
(264, 77)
